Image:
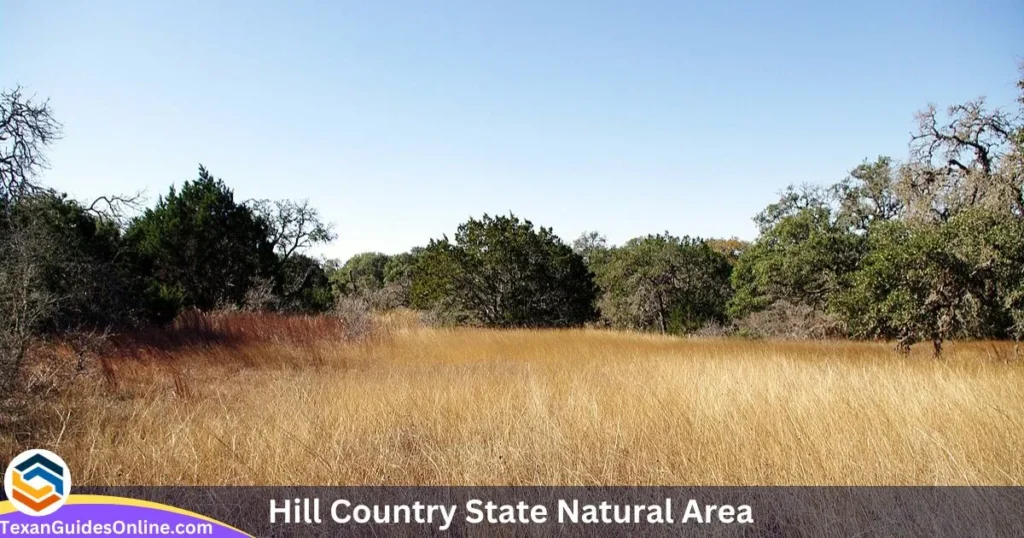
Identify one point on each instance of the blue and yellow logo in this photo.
(37, 482)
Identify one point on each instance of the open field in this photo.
(418, 405)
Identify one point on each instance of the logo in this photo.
(37, 482)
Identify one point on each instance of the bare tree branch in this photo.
(294, 226)
(960, 162)
(26, 129)
(117, 207)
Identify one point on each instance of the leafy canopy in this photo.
(502, 272)
(665, 283)
(199, 247)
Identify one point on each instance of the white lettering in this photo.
(284, 510)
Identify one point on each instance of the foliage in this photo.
(26, 129)
(502, 272)
(299, 282)
(784, 320)
(803, 258)
(292, 226)
(434, 282)
(593, 248)
(361, 275)
(962, 161)
(664, 283)
(303, 285)
(868, 195)
(732, 248)
(931, 248)
(398, 273)
(79, 263)
(891, 292)
(199, 248)
(793, 201)
(922, 281)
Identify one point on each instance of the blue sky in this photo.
(398, 120)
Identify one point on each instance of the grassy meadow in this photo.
(254, 399)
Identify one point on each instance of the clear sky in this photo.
(399, 120)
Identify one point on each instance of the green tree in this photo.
(82, 268)
(61, 273)
(398, 275)
(502, 272)
(664, 283)
(793, 201)
(199, 248)
(991, 248)
(361, 276)
(803, 258)
(893, 294)
(298, 281)
(593, 248)
(435, 276)
(26, 130)
(868, 195)
(936, 281)
(306, 286)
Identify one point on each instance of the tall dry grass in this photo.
(419, 405)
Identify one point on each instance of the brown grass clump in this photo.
(297, 404)
(234, 328)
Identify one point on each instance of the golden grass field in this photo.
(423, 406)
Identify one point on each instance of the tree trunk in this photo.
(661, 314)
(903, 344)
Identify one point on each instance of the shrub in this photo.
(503, 272)
(355, 316)
(783, 319)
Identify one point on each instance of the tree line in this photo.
(927, 249)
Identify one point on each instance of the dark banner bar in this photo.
(599, 511)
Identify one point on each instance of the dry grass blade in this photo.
(418, 405)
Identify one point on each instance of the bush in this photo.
(503, 272)
(202, 243)
(664, 283)
(714, 329)
(356, 317)
(786, 320)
